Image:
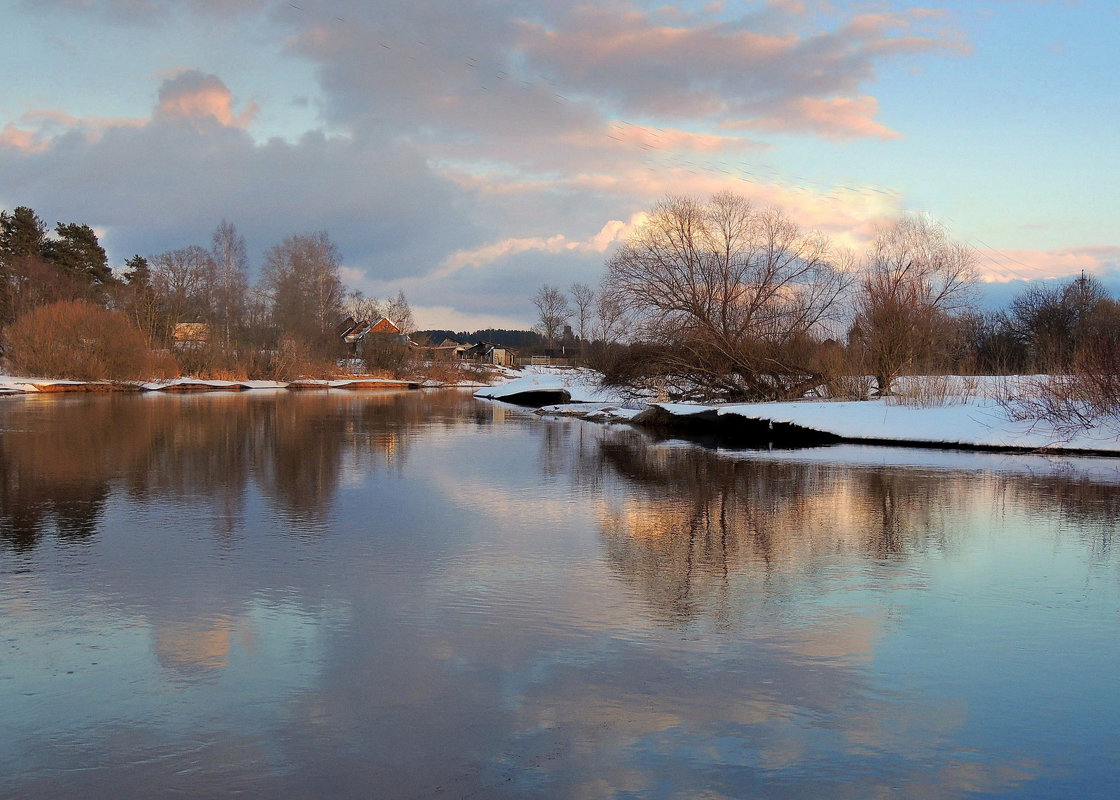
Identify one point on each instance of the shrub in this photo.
(1086, 397)
(292, 359)
(384, 355)
(79, 340)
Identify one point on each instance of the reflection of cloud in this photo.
(199, 645)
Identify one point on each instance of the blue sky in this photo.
(467, 152)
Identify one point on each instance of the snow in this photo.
(594, 412)
(979, 422)
(1068, 465)
(10, 384)
(963, 421)
(582, 385)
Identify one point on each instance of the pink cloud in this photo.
(1000, 265)
(189, 95)
(36, 129)
(832, 118)
(193, 95)
(14, 138)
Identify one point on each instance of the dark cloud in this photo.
(167, 183)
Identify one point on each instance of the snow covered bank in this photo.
(20, 385)
(540, 386)
(977, 422)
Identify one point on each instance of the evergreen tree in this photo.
(137, 271)
(22, 234)
(77, 252)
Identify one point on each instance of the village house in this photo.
(190, 335)
(355, 334)
(487, 353)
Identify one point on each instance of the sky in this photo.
(469, 151)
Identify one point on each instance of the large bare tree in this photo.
(183, 280)
(301, 276)
(553, 312)
(729, 300)
(913, 280)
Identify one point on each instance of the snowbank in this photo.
(976, 422)
(565, 385)
(980, 422)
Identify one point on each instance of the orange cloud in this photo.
(830, 117)
(36, 128)
(477, 257)
(1000, 266)
(193, 95)
(14, 138)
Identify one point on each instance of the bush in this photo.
(79, 340)
(292, 359)
(1086, 397)
(384, 355)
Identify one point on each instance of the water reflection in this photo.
(693, 518)
(417, 595)
(60, 457)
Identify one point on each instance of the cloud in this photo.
(453, 319)
(470, 151)
(720, 69)
(193, 95)
(164, 182)
(830, 118)
(36, 129)
(474, 258)
(1006, 265)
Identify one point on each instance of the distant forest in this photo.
(506, 338)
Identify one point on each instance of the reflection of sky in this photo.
(488, 617)
(85, 665)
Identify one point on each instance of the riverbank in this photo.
(10, 385)
(972, 421)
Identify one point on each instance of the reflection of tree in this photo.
(1092, 508)
(61, 457)
(696, 520)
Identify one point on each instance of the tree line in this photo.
(189, 310)
(720, 299)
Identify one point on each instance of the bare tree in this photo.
(609, 319)
(302, 278)
(729, 300)
(584, 298)
(361, 308)
(553, 312)
(183, 280)
(231, 265)
(399, 312)
(1053, 322)
(913, 279)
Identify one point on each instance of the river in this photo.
(420, 594)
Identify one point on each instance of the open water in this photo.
(422, 595)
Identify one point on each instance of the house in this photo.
(190, 335)
(447, 350)
(355, 334)
(487, 353)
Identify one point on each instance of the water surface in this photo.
(418, 594)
